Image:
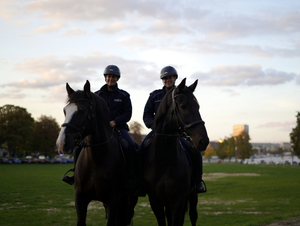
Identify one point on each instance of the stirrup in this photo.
(70, 170)
(204, 187)
(67, 179)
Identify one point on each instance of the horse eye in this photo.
(81, 110)
(183, 106)
(182, 101)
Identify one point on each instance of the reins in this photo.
(182, 129)
(81, 130)
(84, 145)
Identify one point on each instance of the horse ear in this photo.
(87, 89)
(193, 86)
(180, 87)
(69, 89)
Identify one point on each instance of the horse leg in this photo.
(158, 210)
(193, 201)
(131, 203)
(177, 212)
(112, 212)
(81, 204)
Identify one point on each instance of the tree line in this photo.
(231, 147)
(21, 135)
(240, 147)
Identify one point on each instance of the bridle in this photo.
(80, 138)
(182, 127)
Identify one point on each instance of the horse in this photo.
(167, 170)
(99, 172)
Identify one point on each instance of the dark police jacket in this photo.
(152, 105)
(119, 104)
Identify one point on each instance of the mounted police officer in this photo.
(168, 75)
(119, 104)
(118, 101)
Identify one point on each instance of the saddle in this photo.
(124, 144)
(184, 144)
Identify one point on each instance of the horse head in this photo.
(179, 113)
(78, 122)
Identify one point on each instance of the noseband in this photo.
(81, 130)
(182, 127)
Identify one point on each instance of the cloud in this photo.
(199, 25)
(112, 28)
(231, 92)
(137, 42)
(202, 18)
(241, 75)
(166, 28)
(74, 32)
(51, 71)
(298, 79)
(8, 9)
(89, 10)
(47, 29)
(13, 93)
(220, 47)
(286, 126)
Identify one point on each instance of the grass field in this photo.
(240, 195)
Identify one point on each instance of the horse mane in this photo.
(163, 108)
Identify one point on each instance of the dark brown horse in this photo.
(167, 170)
(99, 173)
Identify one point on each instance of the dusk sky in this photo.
(245, 55)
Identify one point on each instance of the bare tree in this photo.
(135, 129)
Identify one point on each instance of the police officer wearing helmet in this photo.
(118, 100)
(168, 75)
(119, 104)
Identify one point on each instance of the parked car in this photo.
(15, 160)
(60, 159)
(5, 161)
(28, 158)
(252, 161)
(263, 162)
(37, 161)
(245, 161)
(24, 160)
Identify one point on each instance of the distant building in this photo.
(238, 129)
(213, 144)
(285, 146)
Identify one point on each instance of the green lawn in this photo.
(237, 195)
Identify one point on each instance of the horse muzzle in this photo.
(203, 143)
(63, 144)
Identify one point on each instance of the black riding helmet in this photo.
(168, 70)
(112, 70)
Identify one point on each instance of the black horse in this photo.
(167, 169)
(99, 173)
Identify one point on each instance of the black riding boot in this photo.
(70, 179)
(144, 146)
(140, 191)
(198, 171)
(130, 156)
